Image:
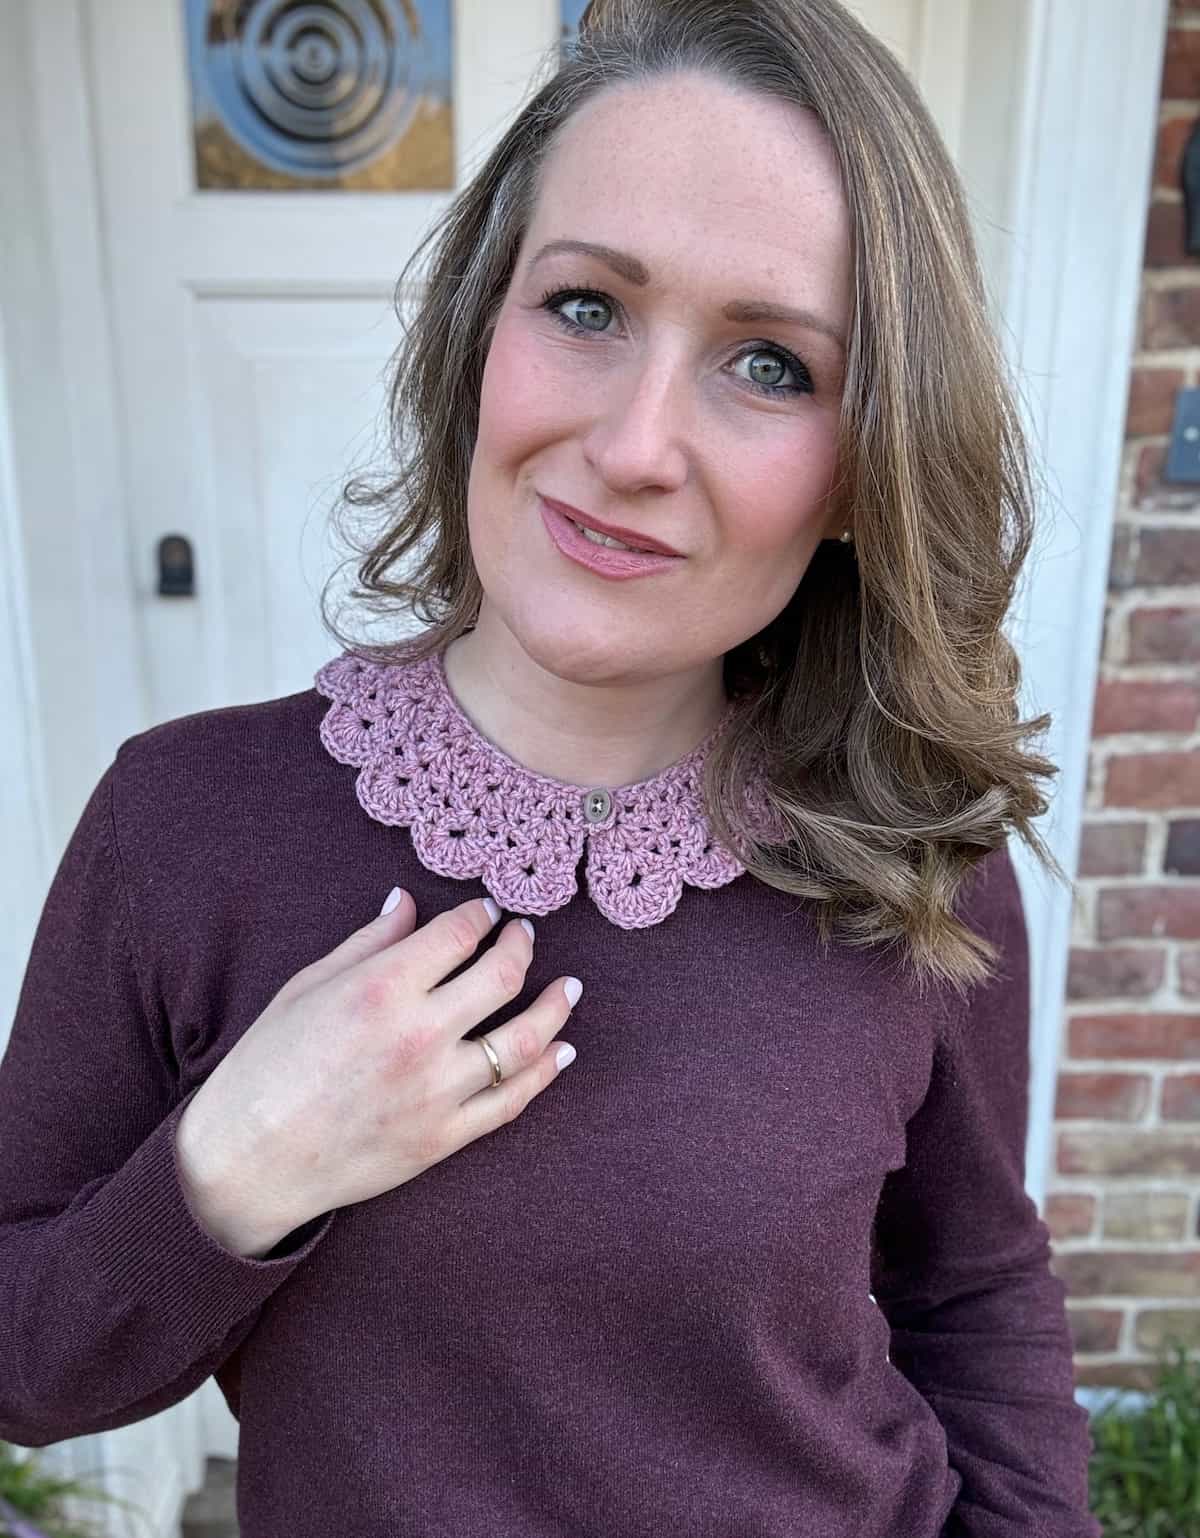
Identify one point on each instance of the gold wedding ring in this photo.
(495, 1061)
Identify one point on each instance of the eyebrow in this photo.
(741, 311)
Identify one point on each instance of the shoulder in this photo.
(989, 899)
(192, 776)
(994, 1013)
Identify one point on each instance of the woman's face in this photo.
(666, 359)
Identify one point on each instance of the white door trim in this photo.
(1083, 185)
(77, 572)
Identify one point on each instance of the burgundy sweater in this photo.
(759, 1264)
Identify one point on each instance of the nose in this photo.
(637, 439)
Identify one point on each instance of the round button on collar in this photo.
(597, 804)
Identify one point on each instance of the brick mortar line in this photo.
(1110, 1066)
(1134, 743)
(1144, 673)
(1098, 1239)
(1139, 516)
(1113, 670)
(1123, 1006)
(1102, 757)
(1149, 1185)
(1088, 1300)
(1157, 1072)
(1115, 1008)
(1133, 443)
(1175, 953)
(1101, 1124)
(1116, 1299)
(1136, 504)
(1159, 280)
(1124, 600)
(1104, 1008)
(1142, 1248)
(1182, 358)
(1116, 817)
(1176, 1129)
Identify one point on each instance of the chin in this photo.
(566, 646)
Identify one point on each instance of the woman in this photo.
(763, 1262)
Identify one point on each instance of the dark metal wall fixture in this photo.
(1191, 190)
(1183, 454)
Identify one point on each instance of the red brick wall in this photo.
(1123, 1199)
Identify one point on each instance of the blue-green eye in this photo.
(769, 367)
(770, 363)
(593, 311)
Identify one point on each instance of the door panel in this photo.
(251, 330)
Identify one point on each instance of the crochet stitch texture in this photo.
(473, 811)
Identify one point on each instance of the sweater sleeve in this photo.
(961, 1261)
(114, 1302)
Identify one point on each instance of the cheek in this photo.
(775, 490)
(517, 401)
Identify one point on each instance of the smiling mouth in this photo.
(597, 538)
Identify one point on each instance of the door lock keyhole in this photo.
(176, 570)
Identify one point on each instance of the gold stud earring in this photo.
(847, 537)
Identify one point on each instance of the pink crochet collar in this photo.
(474, 812)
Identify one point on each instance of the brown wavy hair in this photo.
(883, 695)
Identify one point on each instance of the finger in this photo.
(383, 930)
(496, 978)
(518, 1044)
(435, 949)
(493, 1107)
(429, 951)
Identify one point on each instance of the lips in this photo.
(631, 537)
(610, 562)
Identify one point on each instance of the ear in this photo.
(837, 514)
(836, 520)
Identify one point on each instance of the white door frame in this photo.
(1083, 177)
(68, 592)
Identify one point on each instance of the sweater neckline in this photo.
(473, 811)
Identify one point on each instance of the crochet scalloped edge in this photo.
(473, 811)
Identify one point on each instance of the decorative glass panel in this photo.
(321, 93)
(572, 10)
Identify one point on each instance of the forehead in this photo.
(686, 172)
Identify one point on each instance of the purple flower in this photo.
(15, 1525)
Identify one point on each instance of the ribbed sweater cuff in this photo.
(151, 1248)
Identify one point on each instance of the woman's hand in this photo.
(356, 1077)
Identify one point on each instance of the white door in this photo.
(250, 330)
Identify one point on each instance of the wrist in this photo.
(215, 1194)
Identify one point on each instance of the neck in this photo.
(589, 723)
